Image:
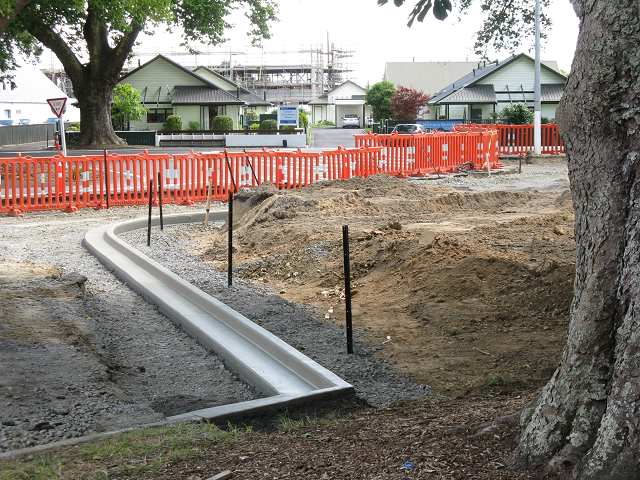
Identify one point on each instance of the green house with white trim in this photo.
(486, 90)
(168, 88)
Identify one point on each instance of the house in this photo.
(426, 77)
(346, 98)
(198, 95)
(487, 89)
(25, 101)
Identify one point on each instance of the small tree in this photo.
(222, 122)
(252, 116)
(378, 96)
(126, 106)
(173, 123)
(269, 124)
(517, 114)
(406, 103)
(303, 120)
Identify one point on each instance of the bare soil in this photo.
(467, 288)
(464, 282)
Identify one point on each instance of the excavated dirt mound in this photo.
(466, 287)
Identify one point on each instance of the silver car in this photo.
(409, 128)
(350, 120)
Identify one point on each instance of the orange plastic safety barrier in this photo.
(424, 154)
(98, 181)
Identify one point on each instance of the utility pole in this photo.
(537, 107)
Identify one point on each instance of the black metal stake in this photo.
(251, 167)
(347, 287)
(429, 158)
(159, 189)
(150, 206)
(230, 259)
(106, 179)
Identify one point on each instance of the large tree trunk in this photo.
(94, 97)
(93, 82)
(585, 424)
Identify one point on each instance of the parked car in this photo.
(410, 128)
(350, 120)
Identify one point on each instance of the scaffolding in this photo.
(282, 77)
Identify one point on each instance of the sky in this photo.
(373, 34)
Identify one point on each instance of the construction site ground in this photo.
(464, 282)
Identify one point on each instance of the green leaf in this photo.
(440, 9)
(398, 3)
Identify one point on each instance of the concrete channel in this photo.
(274, 368)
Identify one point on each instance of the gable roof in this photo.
(427, 77)
(207, 93)
(465, 86)
(324, 99)
(32, 86)
(247, 96)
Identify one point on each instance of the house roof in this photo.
(32, 86)
(473, 94)
(194, 95)
(206, 94)
(457, 90)
(324, 99)
(427, 77)
(247, 96)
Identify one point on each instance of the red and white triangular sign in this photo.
(57, 105)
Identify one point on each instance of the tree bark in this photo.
(93, 82)
(585, 424)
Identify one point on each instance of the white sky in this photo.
(376, 35)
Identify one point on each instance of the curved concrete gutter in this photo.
(264, 361)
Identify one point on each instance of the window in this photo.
(7, 114)
(158, 115)
(18, 112)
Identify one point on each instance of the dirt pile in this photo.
(467, 290)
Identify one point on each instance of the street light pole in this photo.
(537, 104)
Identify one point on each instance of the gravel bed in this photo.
(131, 365)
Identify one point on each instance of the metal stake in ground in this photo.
(429, 158)
(150, 207)
(230, 259)
(231, 193)
(159, 189)
(347, 287)
(107, 192)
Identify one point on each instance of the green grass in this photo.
(129, 454)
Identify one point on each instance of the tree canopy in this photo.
(406, 103)
(93, 38)
(505, 21)
(378, 96)
(126, 106)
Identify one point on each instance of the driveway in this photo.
(330, 138)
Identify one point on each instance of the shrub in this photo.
(544, 120)
(517, 114)
(303, 120)
(174, 122)
(74, 127)
(194, 125)
(222, 122)
(328, 123)
(254, 126)
(287, 128)
(252, 116)
(269, 124)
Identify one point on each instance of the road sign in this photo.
(57, 105)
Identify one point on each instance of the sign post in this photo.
(57, 107)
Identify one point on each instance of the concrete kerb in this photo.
(263, 360)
